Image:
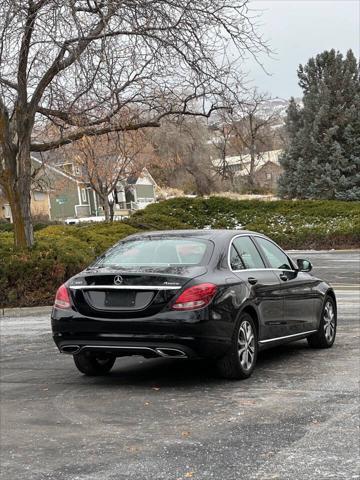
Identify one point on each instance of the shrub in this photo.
(97, 236)
(6, 227)
(38, 225)
(294, 224)
(144, 220)
(31, 277)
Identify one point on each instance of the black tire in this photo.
(325, 336)
(233, 365)
(92, 364)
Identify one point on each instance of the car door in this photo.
(263, 284)
(296, 288)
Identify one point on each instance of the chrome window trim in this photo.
(255, 269)
(274, 339)
(229, 257)
(264, 269)
(124, 287)
(276, 245)
(229, 249)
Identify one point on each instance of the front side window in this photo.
(248, 253)
(156, 252)
(276, 257)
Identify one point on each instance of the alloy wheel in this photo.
(329, 321)
(246, 345)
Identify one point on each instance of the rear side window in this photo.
(156, 252)
(247, 252)
(235, 260)
(276, 257)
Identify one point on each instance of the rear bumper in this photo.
(191, 336)
(150, 348)
(121, 349)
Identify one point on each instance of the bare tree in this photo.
(251, 122)
(97, 66)
(106, 161)
(244, 129)
(181, 151)
(222, 142)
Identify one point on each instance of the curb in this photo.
(354, 286)
(24, 311)
(331, 250)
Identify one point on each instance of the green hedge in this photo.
(8, 227)
(293, 224)
(31, 278)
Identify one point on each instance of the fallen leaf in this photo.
(189, 474)
(133, 449)
(247, 402)
(185, 434)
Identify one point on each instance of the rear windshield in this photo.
(156, 251)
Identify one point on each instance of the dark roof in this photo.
(131, 180)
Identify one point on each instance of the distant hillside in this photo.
(278, 106)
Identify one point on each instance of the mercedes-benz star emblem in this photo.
(118, 280)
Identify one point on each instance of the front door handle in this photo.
(252, 280)
(283, 276)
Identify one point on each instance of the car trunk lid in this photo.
(139, 292)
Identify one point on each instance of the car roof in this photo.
(209, 234)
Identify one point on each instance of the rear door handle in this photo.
(283, 277)
(252, 280)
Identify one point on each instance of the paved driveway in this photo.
(297, 417)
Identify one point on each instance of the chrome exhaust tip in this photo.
(171, 353)
(70, 349)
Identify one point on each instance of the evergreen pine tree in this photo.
(322, 156)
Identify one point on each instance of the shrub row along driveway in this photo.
(160, 419)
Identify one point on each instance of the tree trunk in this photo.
(251, 180)
(23, 189)
(17, 187)
(252, 149)
(111, 211)
(17, 217)
(26, 224)
(105, 206)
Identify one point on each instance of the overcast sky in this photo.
(297, 30)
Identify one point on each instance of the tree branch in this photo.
(8, 83)
(60, 63)
(89, 132)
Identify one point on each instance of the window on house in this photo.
(39, 196)
(83, 195)
(77, 170)
(268, 176)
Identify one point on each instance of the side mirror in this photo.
(303, 265)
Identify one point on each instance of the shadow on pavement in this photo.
(169, 373)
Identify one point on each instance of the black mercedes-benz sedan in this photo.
(216, 294)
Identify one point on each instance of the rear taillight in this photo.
(62, 299)
(195, 297)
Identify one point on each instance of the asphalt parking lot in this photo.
(297, 417)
